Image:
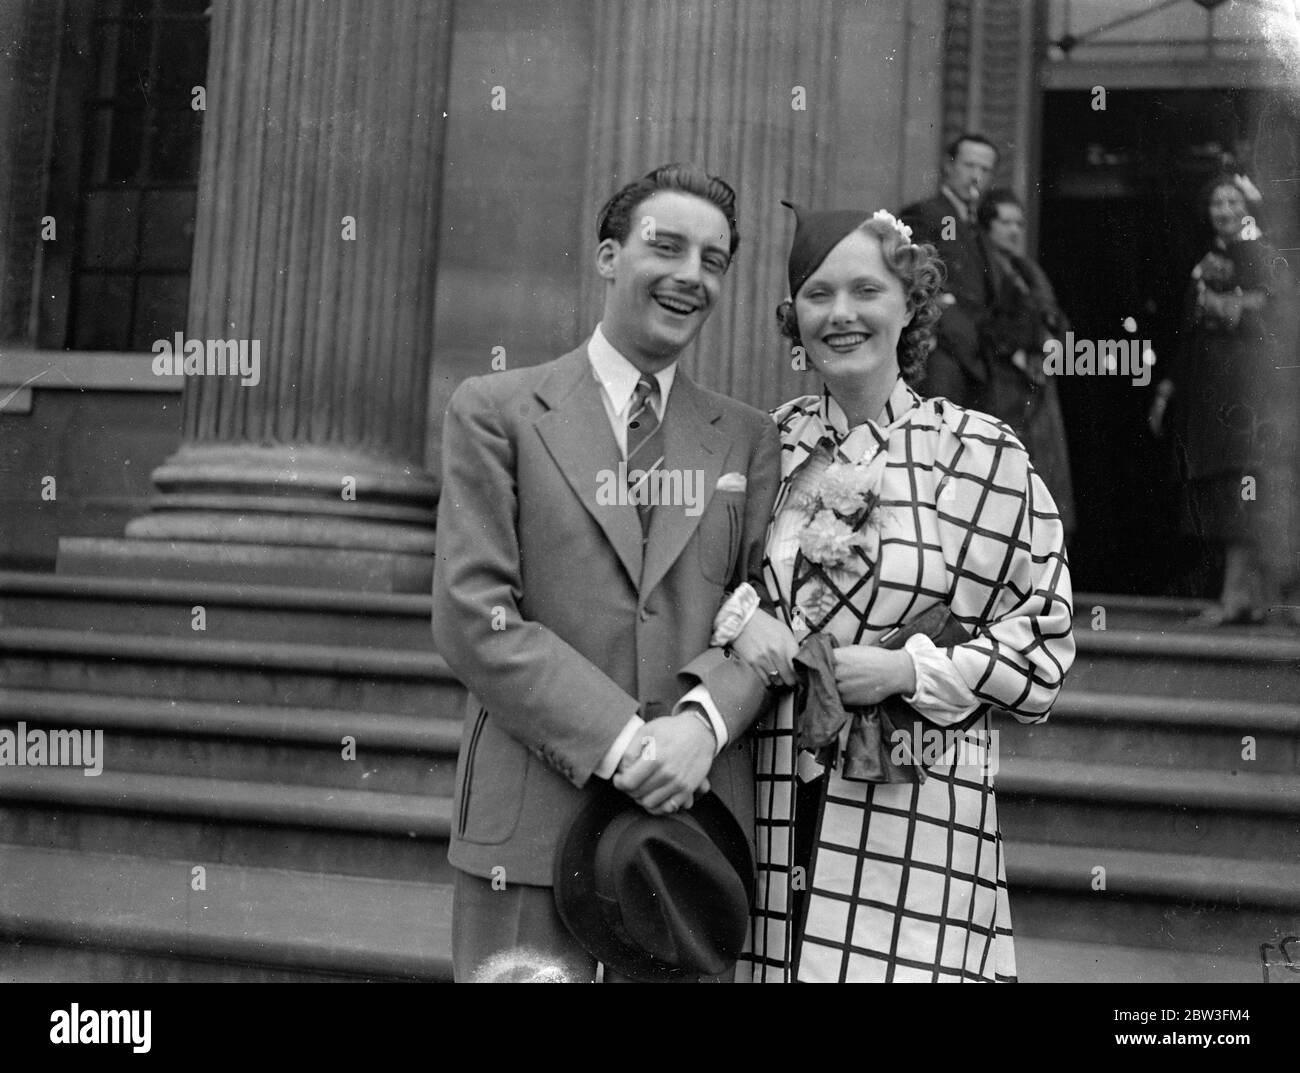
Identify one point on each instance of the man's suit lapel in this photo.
(692, 442)
(576, 431)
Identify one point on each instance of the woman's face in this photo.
(1227, 211)
(1007, 229)
(852, 310)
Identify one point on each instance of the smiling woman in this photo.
(874, 266)
(949, 539)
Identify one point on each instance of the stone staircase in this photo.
(225, 751)
(1142, 772)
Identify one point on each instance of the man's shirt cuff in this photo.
(609, 765)
(700, 702)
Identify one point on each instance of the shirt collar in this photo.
(902, 400)
(815, 421)
(619, 376)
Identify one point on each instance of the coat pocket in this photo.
(467, 771)
(492, 783)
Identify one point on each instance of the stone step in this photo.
(106, 605)
(219, 821)
(262, 918)
(257, 743)
(1146, 730)
(24, 961)
(1172, 902)
(392, 620)
(1135, 612)
(1161, 613)
(1178, 903)
(1250, 817)
(1058, 961)
(1206, 665)
(245, 672)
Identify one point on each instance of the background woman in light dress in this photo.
(1233, 394)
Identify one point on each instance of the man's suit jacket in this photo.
(559, 622)
(958, 368)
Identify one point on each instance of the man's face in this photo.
(664, 279)
(971, 167)
(1007, 229)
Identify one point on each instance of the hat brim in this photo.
(576, 899)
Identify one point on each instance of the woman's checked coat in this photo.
(907, 880)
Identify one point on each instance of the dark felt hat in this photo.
(656, 898)
(815, 235)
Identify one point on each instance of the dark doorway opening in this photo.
(1119, 234)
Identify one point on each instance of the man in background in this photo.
(958, 368)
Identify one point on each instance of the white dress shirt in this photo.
(618, 378)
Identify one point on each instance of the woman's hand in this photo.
(866, 674)
(768, 646)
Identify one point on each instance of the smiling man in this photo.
(579, 621)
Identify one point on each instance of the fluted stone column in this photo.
(316, 233)
(749, 92)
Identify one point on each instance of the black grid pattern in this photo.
(908, 881)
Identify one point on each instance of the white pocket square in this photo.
(732, 482)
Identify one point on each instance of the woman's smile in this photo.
(845, 342)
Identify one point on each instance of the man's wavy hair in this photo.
(615, 219)
(919, 270)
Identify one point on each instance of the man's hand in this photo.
(867, 674)
(768, 646)
(667, 764)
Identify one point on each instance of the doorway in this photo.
(1119, 233)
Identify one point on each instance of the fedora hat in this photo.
(656, 898)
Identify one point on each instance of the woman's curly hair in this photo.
(921, 273)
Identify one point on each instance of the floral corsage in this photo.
(840, 506)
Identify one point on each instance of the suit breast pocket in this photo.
(718, 538)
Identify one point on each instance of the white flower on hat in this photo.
(1248, 189)
(885, 217)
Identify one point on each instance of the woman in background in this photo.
(1235, 391)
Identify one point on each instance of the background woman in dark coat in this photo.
(1234, 391)
(1024, 315)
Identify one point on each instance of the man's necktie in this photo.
(645, 447)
